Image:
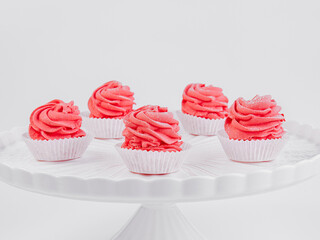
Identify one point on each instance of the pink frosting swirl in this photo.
(151, 128)
(204, 101)
(55, 120)
(259, 118)
(111, 100)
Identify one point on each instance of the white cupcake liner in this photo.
(103, 127)
(58, 149)
(153, 162)
(200, 126)
(251, 151)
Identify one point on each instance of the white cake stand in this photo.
(207, 174)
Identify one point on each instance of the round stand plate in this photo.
(207, 173)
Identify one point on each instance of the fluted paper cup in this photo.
(58, 149)
(200, 126)
(252, 151)
(153, 162)
(103, 127)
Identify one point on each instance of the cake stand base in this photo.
(158, 222)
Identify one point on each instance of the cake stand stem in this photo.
(158, 222)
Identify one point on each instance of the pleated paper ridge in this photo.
(253, 150)
(153, 162)
(200, 126)
(103, 127)
(58, 150)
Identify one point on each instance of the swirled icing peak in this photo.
(151, 128)
(259, 118)
(204, 101)
(55, 120)
(111, 100)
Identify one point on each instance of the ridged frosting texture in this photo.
(204, 101)
(151, 128)
(255, 119)
(55, 120)
(111, 100)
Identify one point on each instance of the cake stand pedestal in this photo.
(207, 174)
(158, 222)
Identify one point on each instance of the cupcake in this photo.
(152, 144)
(204, 109)
(55, 132)
(108, 105)
(253, 130)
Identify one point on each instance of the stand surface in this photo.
(207, 174)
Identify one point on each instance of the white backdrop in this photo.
(65, 49)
